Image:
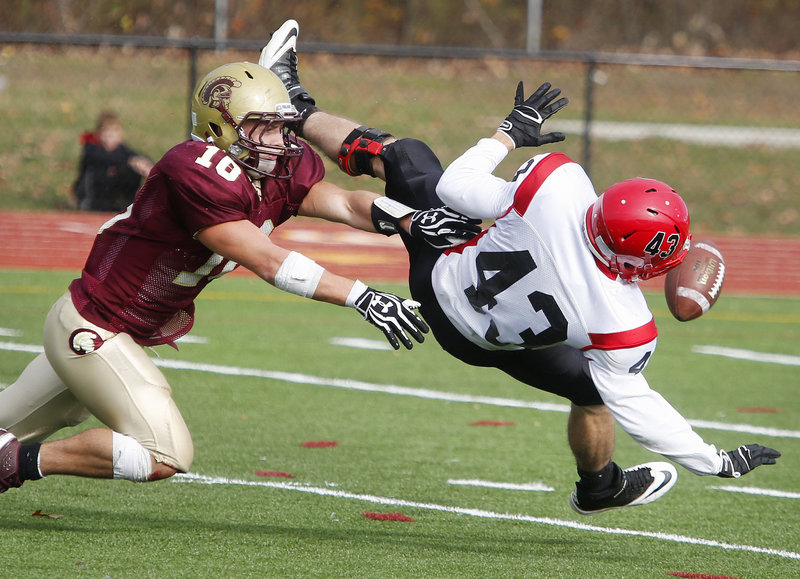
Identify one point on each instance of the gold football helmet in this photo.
(234, 105)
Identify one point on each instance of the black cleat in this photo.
(641, 484)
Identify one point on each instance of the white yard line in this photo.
(758, 491)
(748, 355)
(297, 378)
(480, 513)
(192, 339)
(360, 343)
(438, 395)
(474, 482)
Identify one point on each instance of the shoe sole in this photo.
(658, 489)
(283, 39)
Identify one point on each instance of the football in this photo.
(694, 286)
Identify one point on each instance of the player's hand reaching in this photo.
(742, 460)
(393, 315)
(524, 125)
(442, 227)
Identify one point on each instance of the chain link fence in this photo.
(724, 132)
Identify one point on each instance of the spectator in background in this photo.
(110, 172)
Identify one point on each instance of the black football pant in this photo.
(412, 172)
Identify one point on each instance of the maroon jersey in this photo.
(146, 268)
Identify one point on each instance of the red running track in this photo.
(61, 241)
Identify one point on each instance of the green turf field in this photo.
(261, 377)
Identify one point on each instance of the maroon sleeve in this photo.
(307, 171)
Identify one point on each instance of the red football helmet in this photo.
(639, 228)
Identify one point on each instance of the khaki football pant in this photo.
(117, 383)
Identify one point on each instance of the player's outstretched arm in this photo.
(324, 130)
(290, 271)
(340, 139)
(524, 124)
(392, 315)
(441, 227)
(742, 460)
(327, 131)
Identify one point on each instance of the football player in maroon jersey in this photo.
(207, 206)
(548, 293)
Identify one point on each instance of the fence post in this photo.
(192, 83)
(591, 66)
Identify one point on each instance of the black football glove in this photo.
(524, 124)
(443, 227)
(393, 315)
(742, 460)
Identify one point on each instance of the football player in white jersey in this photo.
(548, 293)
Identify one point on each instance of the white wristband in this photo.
(298, 275)
(358, 288)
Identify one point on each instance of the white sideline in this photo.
(209, 480)
(404, 390)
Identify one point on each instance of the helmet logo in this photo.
(218, 92)
(84, 341)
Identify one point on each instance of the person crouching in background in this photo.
(110, 172)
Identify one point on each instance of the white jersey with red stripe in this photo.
(530, 281)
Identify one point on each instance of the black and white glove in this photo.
(442, 227)
(524, 125)
(391, 314)
(742, 460)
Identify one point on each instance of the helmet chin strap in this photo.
(264, 166)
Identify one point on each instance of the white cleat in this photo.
(280, 42)
(280, 56)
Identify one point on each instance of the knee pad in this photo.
(131, 460)
(358, 150)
